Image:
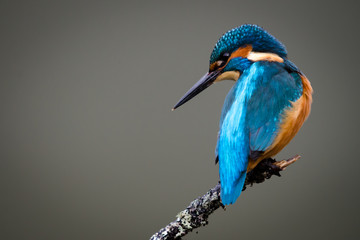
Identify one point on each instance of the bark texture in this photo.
(199, 210)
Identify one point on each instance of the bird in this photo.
(265, 108)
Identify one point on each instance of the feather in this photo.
(250, 120)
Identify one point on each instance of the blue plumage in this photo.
(264, 109)
(260, 40)
(250, 120)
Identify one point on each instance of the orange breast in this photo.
(293, 119)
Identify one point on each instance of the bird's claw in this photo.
(284, 163)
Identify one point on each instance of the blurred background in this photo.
(89, 148)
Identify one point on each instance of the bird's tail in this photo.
(233, 161)
(231, 193)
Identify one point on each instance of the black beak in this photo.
(200, 86)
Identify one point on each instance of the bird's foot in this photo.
(266, 168)
(284, 163)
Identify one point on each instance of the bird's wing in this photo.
(250, 120)
(277, 86)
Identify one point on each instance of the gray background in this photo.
(89, 148)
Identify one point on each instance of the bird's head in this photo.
(233, 53)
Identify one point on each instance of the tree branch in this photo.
(199, 210)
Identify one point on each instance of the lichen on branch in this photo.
(199, 210)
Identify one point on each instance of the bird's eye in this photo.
(225, 56)
(223, 59)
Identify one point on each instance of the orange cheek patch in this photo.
(213, 66)
(241, 52)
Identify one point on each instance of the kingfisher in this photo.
(263, 111)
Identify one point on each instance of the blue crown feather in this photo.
(254, 35)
